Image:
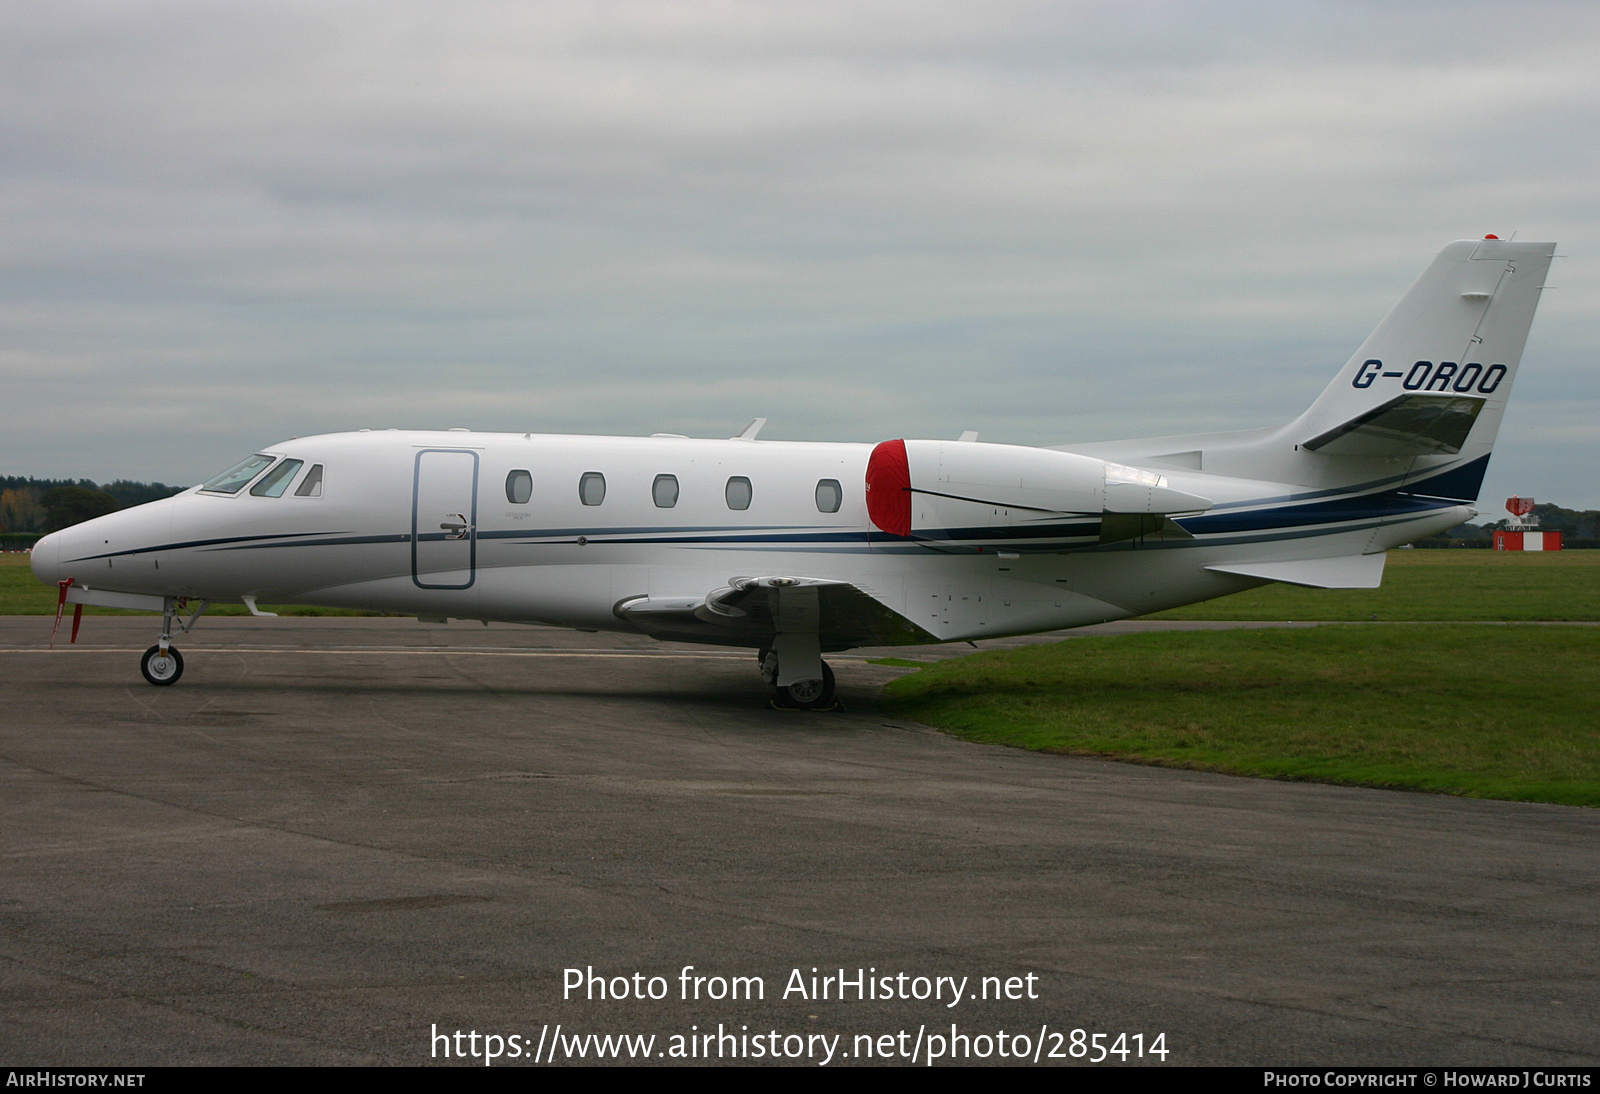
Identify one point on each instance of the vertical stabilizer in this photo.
(1433, 379)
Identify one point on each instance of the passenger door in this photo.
(444, 519)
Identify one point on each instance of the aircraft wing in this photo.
(748, 611)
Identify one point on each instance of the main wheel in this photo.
(810, 694)
(161, 670)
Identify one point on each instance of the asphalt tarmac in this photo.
(336, 841)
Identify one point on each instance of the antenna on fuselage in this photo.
(748, 433)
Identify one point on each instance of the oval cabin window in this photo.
(519, 487)
(830, 495)
(739, 492)
(665, 491)
(592, 488)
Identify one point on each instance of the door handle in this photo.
(457, 528)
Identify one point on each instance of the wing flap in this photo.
(744, 612)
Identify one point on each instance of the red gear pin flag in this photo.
(61, 603)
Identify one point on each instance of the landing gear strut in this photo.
(162, 664)
(793, 664)
(816, 693)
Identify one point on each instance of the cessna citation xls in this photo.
(796, 549)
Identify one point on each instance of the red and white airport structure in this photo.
(1524, 533)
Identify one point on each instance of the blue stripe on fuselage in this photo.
(1449, 488)
(1389, 504)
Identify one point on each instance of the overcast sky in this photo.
(226, 224)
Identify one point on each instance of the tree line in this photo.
(44, 505)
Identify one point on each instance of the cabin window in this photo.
(738, 492)
(234, 478)
(665, 491)
(311, 485)
(519, 487)
(830, 495)
(592, 488)
(276, 481)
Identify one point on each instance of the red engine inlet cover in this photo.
(889, 488)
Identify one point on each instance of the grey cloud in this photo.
(1046, 221)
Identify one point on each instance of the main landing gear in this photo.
(162, 664)
(813, 693)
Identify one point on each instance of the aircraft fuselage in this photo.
(372, 537)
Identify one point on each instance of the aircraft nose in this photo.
(46, 558)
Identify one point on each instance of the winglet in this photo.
(748, 433)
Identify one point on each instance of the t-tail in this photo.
(1415, 409)
(1430, 385)
(1394, 449)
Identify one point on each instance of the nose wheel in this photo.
(161, 666)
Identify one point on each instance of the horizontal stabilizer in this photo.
(1349, 572)
(1407, 425)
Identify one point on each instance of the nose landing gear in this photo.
(162, 664)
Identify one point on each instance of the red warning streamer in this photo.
(61, 603)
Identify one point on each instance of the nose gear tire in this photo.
(160, 670)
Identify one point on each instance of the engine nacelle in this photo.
(964, 490)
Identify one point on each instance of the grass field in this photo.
(1497, 712)
(1435, 585)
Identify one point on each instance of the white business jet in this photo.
(796, 549)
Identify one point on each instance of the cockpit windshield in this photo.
(234, 478)
(276, 481)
